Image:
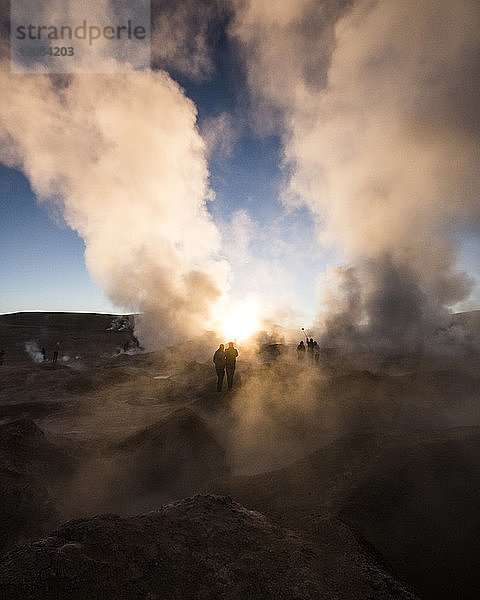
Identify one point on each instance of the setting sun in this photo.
(241, 321)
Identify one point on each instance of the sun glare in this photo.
(240, 322)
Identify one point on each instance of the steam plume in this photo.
(122, 157)
(376, 101)
(33, 351)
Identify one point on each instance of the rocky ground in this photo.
(125, 475)
(200, 547)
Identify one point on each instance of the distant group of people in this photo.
(225, 361)
(55, 353)
(312, 350)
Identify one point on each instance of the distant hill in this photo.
(470, 320)
(23, 334)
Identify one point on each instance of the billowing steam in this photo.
(34, 352)
(122, 157)
(378, 106)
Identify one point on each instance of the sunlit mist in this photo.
(241, 321)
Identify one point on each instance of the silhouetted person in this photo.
(310, 348)
(2, 357)
(316, 351)
(44, 353)
(301, 351)
(55, 352)
(219, 360)
(231, 354)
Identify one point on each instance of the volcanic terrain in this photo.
(124, 474)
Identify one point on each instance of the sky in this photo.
(314, 160)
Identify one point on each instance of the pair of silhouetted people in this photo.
(225, 360)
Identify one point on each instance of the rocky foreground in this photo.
(201, 547)
(352, 520)
(127, 476)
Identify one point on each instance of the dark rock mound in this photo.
(27, 509)
(170, 459)
(413, 496)
(180, 451)
(25, 448)
(33, 470)
(205, 547)
(421, 511)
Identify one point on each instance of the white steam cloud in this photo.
(377, 102)
(122, 157)
(34, 352)
(377, 106)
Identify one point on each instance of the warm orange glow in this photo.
(240, 322)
